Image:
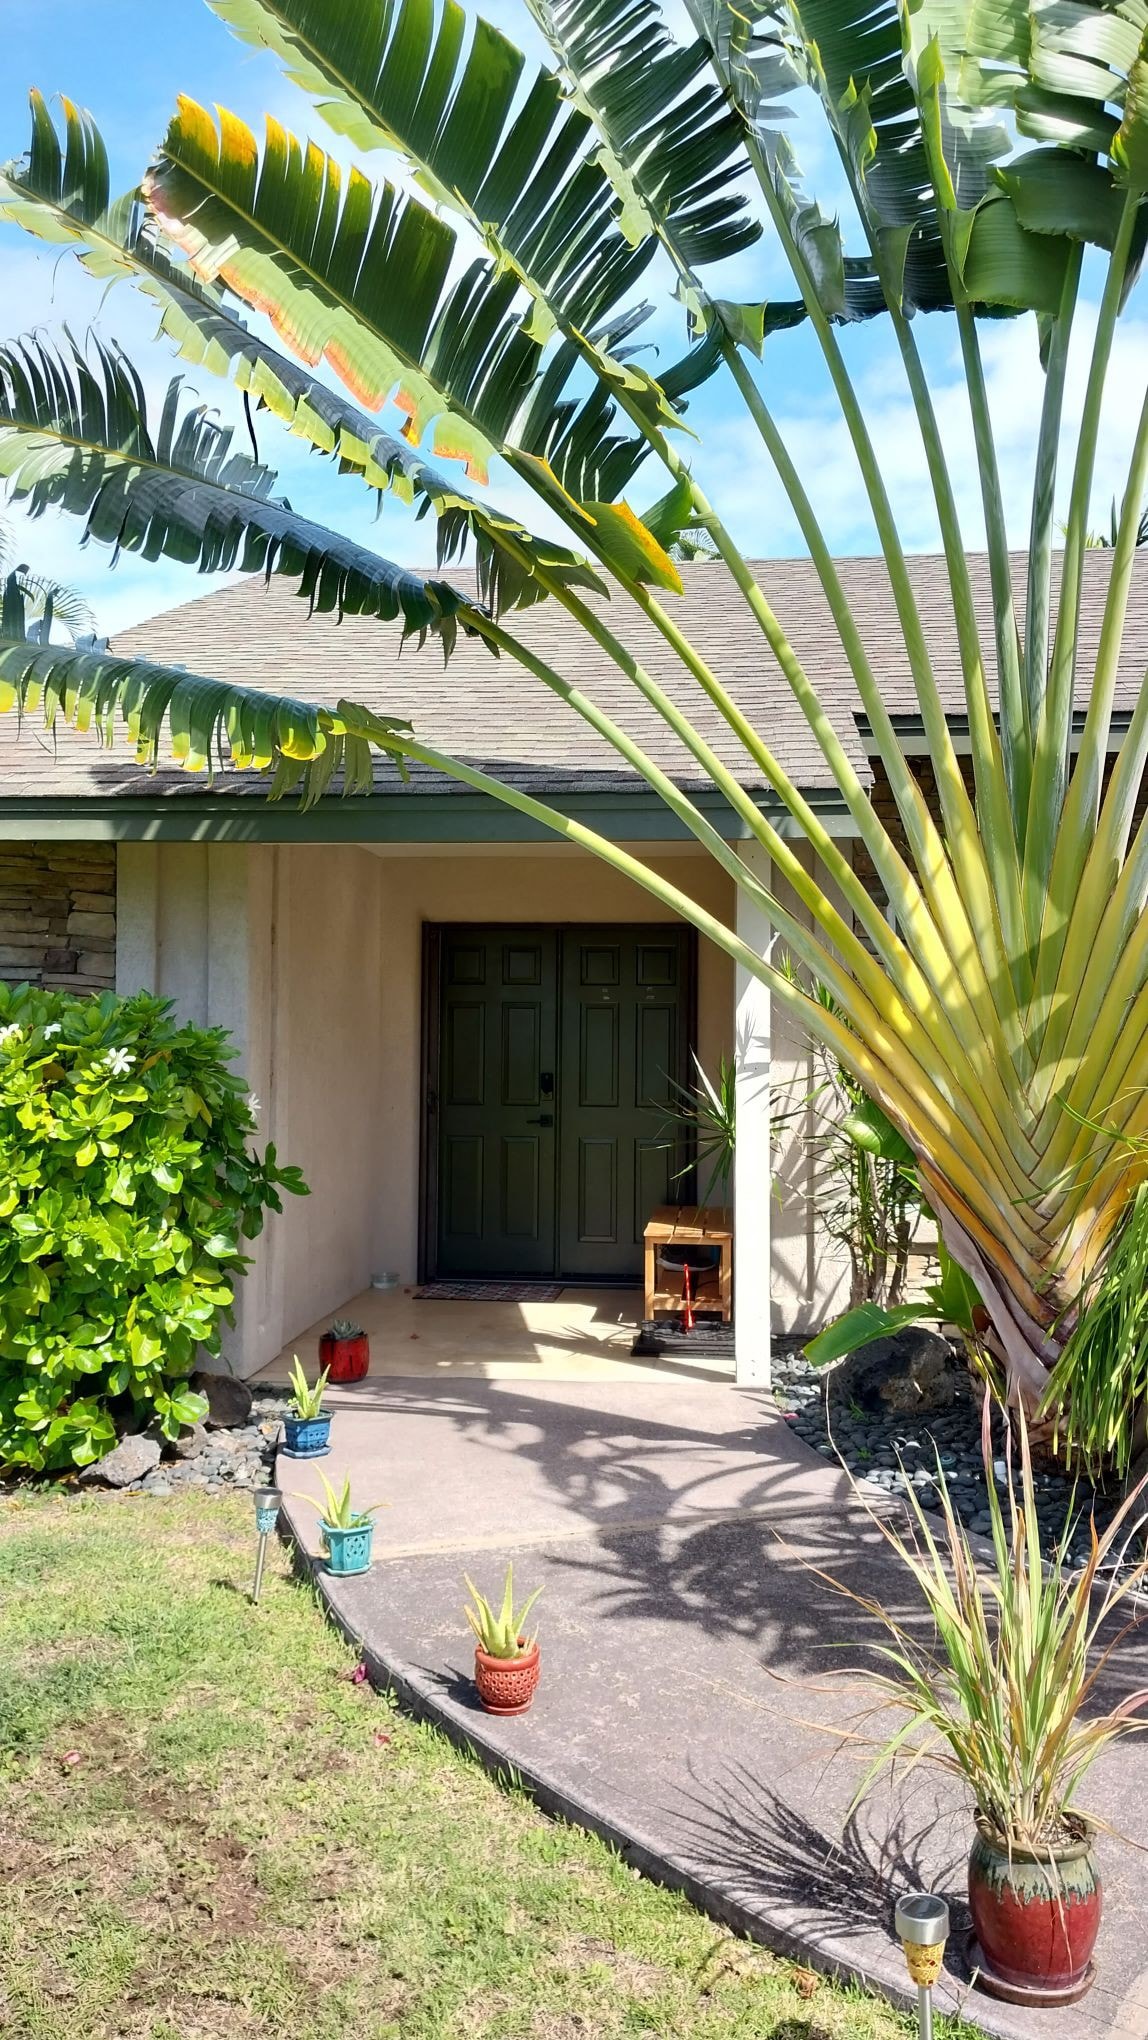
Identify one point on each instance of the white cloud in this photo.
(741, 481)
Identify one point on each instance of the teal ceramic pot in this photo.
(307, 1437)
(348, 1551)
(1036, 1917)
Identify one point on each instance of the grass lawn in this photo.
(207, 1829)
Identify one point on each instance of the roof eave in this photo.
(622, 816)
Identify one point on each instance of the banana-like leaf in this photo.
(401, 74)
(209, 721)
(74, 435)
(951, 1301)
(60, 194)
(368, 291)
(527, 177)
(672, 147)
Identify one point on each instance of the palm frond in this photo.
(210, 721)
(75, 436)
(369, 292)
(59, 193)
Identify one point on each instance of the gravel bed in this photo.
(220, 1461)
(887, 1454)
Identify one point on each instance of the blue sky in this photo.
(127, 60)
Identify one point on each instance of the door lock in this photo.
(543, 1119)
(546, 1081)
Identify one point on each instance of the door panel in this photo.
(624, 1017)
(496, 1159)
(586, 1028)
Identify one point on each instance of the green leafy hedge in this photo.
(127, 1184)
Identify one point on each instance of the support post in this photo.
(753, 1165)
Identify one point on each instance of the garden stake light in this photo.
(922, 1929)
(267, 1503)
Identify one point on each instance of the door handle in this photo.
(543, 1119)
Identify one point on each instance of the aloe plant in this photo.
(502, 1635)
(337, 1510)
(307, 1397)
(994, 1001)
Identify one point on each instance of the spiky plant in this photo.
(984, 150)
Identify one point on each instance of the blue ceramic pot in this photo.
(307, 1437)
(348, 1551)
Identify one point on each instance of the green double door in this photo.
(548, 1133)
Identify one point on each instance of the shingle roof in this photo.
(490, 712)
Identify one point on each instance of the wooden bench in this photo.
(690, 1225)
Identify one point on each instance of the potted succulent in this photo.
(308, 1429)
(348, 1532)
(1006, 1696)
(345, 1351)
(506, 1660)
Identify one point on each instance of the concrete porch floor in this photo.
(584, 1335)
(703, 1684)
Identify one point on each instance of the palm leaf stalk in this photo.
(1011, 981)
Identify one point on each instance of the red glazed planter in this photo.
(345, 1359)
(1035, 1920)
(506, 1685)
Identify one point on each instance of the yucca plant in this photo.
(306, 1396)
(1006, 1692)
(995, 1001)
(705, 1110)
(501, 1635)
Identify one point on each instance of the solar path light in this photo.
(923, 1929)
(267, 1503)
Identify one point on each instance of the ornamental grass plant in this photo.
(1009, 1693)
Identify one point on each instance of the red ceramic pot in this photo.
(506, 1685)
(345, 1359)
(1036, 1917)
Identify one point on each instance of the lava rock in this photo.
(128, 1461)
(192, 1443)
(228, 1399)
(911, 1371)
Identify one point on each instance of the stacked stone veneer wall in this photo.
(58, 915)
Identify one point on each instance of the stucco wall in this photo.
(810, 1273)
(311, 956)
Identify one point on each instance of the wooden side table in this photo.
(691, 1225)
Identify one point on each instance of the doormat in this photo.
(709, 1340)
(490, 1292)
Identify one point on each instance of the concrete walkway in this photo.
(700, 1682)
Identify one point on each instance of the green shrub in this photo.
(127, 1184)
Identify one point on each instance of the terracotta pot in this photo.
(506, 1685)
(1036, 1917)
(345, 1359)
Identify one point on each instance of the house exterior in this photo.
(463, 1031)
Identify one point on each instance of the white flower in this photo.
(253, 1105)
(118, 1061)
(11, 1033)
(56, 1027)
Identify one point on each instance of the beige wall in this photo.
(311, 956)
